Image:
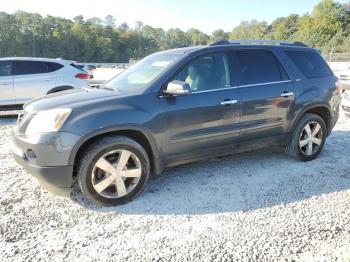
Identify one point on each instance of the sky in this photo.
(206, 15)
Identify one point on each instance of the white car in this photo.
(87, 68)
(344, 78)
(346, 103)
(25, 78)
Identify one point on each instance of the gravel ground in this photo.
(256, 206)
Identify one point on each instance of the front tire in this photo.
(113, 171)
(308, 138)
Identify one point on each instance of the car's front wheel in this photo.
(308, 138)
(113, 171)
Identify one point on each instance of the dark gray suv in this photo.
(175, 107)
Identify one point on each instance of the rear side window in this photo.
(30, 67)
(52, 67)
(258, 67)
(310, 64)
(5, 68)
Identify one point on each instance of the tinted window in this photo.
(207, 72)
(258, 66)
(309, 63)
(5, 68)
(30, 67)
(52, 67)
(80, 67)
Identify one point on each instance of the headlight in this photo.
(48, 121)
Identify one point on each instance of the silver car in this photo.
(25, 78)
(344, 78)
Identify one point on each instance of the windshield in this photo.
(142, 73)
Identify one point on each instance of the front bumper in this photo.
(46, 158)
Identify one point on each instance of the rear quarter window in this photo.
(52, 67)
(310, 63)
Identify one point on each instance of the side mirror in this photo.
(177, 88)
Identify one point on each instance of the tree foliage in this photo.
(102, 40)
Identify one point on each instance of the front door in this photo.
(209, 117)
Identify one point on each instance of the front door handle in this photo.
(287, 94)
(228, 102)
(5, 83)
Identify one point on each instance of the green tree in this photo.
(28, 34)
(253, 29)
(176, 38)
(218, 35)
(196, 37)
(284, 28)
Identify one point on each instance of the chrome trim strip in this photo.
(204, 136)
(262, 126)
(234, 87)
(267, 83)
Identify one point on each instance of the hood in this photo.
(69, 98)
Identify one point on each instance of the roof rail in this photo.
(258, 42)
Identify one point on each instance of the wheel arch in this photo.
(140, 136)
(319, 109)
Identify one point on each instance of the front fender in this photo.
(111, 130)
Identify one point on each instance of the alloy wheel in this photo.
(311, 138)
(116, 173)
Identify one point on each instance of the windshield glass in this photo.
(142, 73)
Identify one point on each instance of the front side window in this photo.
(30, 67)
(206, 73)
(5, 68)
(143, 73)
(258, 67)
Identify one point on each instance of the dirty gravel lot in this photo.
(256, 206)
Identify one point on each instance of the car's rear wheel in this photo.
(308, 138)
(113, 171)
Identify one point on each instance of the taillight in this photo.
(82, 76)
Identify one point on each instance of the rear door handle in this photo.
(229, 102)
(47, 79)
(287, 94)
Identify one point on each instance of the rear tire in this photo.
(308, 138)
(128, 171)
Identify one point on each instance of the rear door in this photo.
(267, 94)
(7, 96)
(32, 79)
